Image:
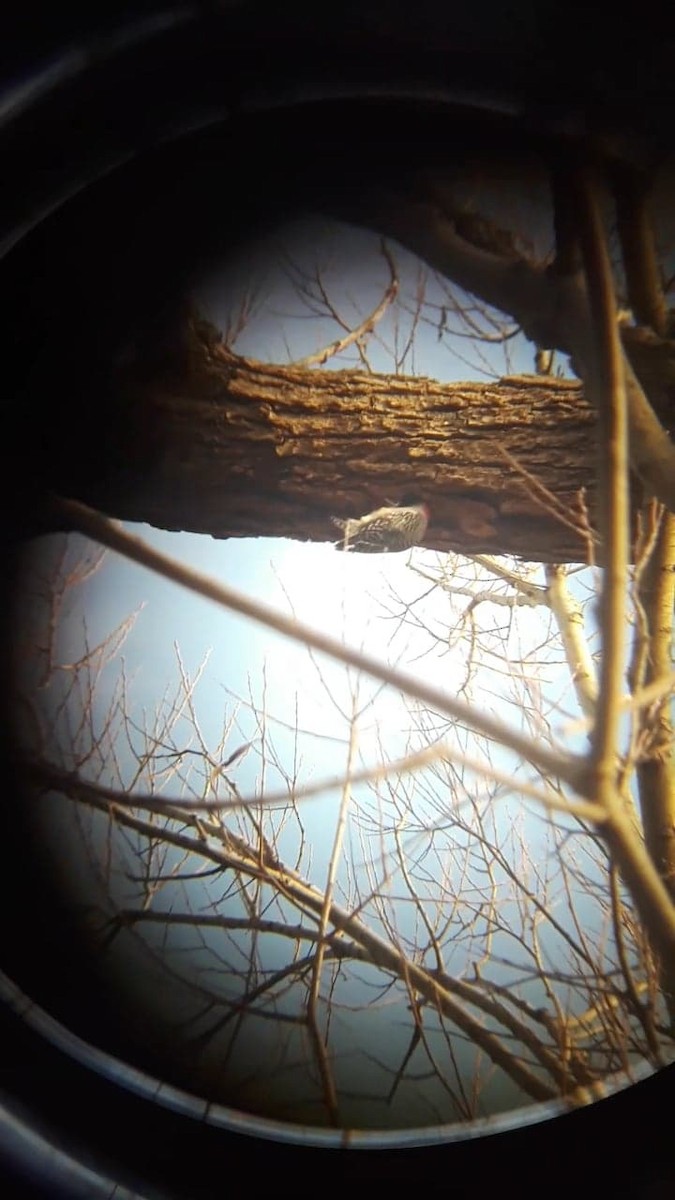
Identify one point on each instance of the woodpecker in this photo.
(385, 530)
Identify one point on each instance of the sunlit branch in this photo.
(101, 529)
(379, 951)
(642, 698)
(525, 1034)
(318, 1040)
(570, 622)
(367, 325)
(49, 775)
(284, 929)
(532, 592)
(526, 594)
(550, 306)
(606, 385)
(640, 1010)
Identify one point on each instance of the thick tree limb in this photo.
(550, 305)
(233, 447)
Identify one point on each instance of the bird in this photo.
(386, 530)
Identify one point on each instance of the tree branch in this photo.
(550, 305)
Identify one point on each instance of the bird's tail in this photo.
(343, 544)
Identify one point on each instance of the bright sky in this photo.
(285, 285)
(279, 282)
(355, 597)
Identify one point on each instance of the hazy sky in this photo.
(358, 598)
(279, 281)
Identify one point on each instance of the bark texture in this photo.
(219, 444)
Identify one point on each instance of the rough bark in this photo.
(232, 447)
(550, 304)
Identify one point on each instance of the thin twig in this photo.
(91, 523)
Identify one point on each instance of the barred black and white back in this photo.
(385, 530)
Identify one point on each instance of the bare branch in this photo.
(570, 623)
(108, 533)
(366, 326)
